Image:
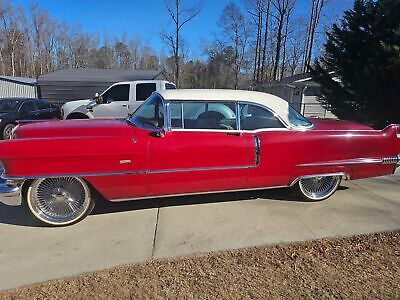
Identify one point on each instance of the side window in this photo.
(176, 114)
(28, 107)
(144, 90)
(169, 86)
(254, 117)
(118, 92)
(42, 105)
(204, 115)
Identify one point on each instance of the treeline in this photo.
(256, 41)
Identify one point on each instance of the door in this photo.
(44, 110)
(29, 111)
(203, 152)
(115, 103)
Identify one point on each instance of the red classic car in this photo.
(182, 142)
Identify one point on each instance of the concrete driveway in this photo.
(121, 233)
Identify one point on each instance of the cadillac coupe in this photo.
(181, 142)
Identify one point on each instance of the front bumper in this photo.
(8, 187)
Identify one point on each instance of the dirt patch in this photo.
(356, 267)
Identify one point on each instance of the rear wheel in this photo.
(59, 201)
(318, 187)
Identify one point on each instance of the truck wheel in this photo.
(317, 188)
(59, 201)
(7, 131)
(76, 116)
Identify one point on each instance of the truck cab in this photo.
(117, 101)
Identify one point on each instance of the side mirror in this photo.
(159, 133)
(98, 98)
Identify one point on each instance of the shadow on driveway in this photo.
(17, 215)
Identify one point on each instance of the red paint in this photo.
(159, 165)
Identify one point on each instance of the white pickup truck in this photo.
(116, 102)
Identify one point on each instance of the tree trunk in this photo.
(263, 73)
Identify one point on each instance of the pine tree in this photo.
(360, 69)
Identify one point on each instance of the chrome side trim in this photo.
(356, 161)
(198, 169)
(343, 174)
(199, 193)
(5, 176)
(257, 149)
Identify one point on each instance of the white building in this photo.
(23, 87)
(301, 92)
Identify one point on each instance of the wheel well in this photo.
(77, 116)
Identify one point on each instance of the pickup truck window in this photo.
(169, 86)
(144, 90)
(253, 117)
(118, 92)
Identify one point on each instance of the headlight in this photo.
(0, 120)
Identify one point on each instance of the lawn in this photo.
(355, 267)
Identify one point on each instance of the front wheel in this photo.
(317, 188)
(59, 201)
(7, 131)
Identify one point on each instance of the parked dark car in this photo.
(14, 109)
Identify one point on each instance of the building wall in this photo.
(60, 92)
(10, 89)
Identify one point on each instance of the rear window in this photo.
(170, 86)
(144, 90)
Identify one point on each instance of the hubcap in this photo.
(319, 187)
(8, 131)
(59, 201)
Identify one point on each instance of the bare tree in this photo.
(316, 9)
(180, 16)
(282, 9)
(235, 30)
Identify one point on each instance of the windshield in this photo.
(9, 105)
(150, 114)
(297, 119)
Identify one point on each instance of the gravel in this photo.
(355, 267)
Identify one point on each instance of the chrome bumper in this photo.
(8, 187)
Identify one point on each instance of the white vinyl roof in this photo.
(276, 104)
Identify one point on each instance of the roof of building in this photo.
(106, 75)
(276, 104)
(21, 80)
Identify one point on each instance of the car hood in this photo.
(73, 128)
(330, 124)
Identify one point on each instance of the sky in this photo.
(145, 18)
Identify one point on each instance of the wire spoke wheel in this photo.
(59, 201)
(318, 187)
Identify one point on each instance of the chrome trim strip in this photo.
(4, 176)
(257, 149)
(199, 193)
(356, 161)
(197, 169)
(343, 174)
